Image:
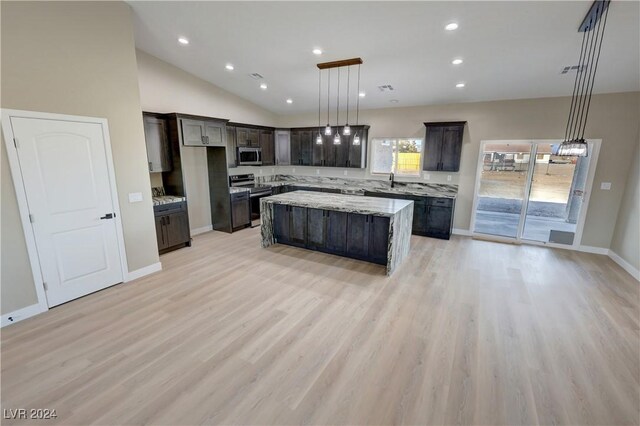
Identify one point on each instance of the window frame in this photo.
(394, 164)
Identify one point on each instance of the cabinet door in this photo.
(432, 149)
(283, 148)
(253, 136)
(439, 221)
(177, 228)
(267, 144)
(378, 239)
(317, 156)
(242, 136)
(451, 148)
(329, 151)
(155, 136)
(357, 235)
(305, 147)
(281, 223)
(336, 233)
(355, 151)
(231, 146)
(419, 216)
(342, 150)
(298, 225)
(192, 132)
(215, 133)
(315, 229)
(295, 147)
(240, 211)
(160, 233)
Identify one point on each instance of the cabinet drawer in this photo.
(441, 202)
(163, 209)
(239, 196)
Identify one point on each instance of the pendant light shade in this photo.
(327, 130)
(575, 148)
(336, 139)
(319, 139)
(346, 130)
(356, 139)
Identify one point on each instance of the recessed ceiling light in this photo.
(317, 51)
(452, 26)
(456, 61)
(394, 101)
(229, 67)
(460, 85)
(263, 86)
(289, 101)
(183, 40)
(362, 94)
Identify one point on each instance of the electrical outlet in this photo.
(345, 172)
(427, 176)
(293, 170)
(261, 171)
(448, 178)
(317, 171)
(605, 186)
(273, 170)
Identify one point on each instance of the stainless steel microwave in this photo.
(249, 156)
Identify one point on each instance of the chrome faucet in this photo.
(391, 178)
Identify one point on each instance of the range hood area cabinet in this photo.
(443, 146)
(199, 132)
(247, 135)
(306, 152)
(157, 141)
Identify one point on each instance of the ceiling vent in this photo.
(256, 76)
(386, 88)
(570, 68)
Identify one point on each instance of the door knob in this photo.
(108, 216)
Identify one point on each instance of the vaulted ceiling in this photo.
(510, 49)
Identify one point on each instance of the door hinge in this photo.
(31, 218)
(46, 287)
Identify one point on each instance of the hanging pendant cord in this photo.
(575, 85)
(328, 96)
(338, 102)
(319, 94)
(358, 98)
(583, 73)
(348, 78)
(601, 35)
(585, 84)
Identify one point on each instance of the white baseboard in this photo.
(635, 273)
(591, 249)
(202, 230)
(139, 273)
(463, 232)
(21, 314)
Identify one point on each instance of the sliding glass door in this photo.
(525, 192)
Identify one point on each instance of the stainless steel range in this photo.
(256, 191)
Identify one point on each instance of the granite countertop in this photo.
(236, 190)
(340, 202)
(167, 199)
(355, 189)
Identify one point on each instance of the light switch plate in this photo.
(261, 171)
(345, 172)
(317, 171)
(293, 170)
(427, 176)
(605, 186)
(135, 197)
(448, 178)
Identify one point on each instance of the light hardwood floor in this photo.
(465, 332)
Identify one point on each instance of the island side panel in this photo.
(399, 238)
(266, 223)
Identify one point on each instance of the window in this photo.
(400, 156)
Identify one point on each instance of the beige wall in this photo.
(75, 58)
(626, 238)
(166, 88)
(613, 118)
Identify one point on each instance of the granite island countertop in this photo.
(340, 202)
(356, 188)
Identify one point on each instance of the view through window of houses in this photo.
(400, 156)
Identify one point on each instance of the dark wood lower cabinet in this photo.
(240, 210)
(359, 236)
(172, 226)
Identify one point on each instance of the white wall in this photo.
(75, 58)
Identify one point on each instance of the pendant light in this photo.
(574, 143)
(319, 136)
(346, 130)
(336, 138)
(327, 129)
(356, 138)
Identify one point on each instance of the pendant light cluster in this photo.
(328, 129)
(592, 29)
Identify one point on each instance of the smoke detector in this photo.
(570, 68)
(256, 76)
(386, 88)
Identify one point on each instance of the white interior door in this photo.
(69, 195)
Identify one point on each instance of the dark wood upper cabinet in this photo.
(301, 148)
(231, 146)
(156, 139)
(267, 144)
(328, 154)
(242, 136)
(443, 146)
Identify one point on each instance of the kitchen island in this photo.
(373, 229)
